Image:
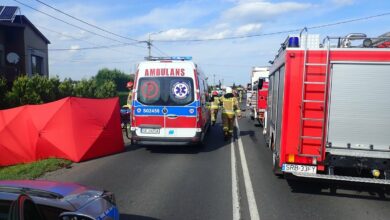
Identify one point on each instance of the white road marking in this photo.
(236, 202)
(253, 211)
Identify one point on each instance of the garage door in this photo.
(359, 116)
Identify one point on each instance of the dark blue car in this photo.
(48, 200)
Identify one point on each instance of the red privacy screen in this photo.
(71, 128)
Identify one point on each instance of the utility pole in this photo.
(149, 43)
(214, 79)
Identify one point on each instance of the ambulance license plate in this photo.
(150, 130)
(295, 168)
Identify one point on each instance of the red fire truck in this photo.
(261, 104)
(328, 109)
(257, 102)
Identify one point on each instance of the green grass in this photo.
(32, 170)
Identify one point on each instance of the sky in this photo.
(230, 61)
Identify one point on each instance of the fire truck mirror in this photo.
(260, 84)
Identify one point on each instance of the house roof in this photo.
(22, 21)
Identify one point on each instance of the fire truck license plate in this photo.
(150, 130)
(294, 168)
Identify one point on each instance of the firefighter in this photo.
(240, 95)
(129, 85)
(215, 103)
(230, 109)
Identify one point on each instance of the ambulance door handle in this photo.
(172, 116)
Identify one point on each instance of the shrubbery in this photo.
(39, 89)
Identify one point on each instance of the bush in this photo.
(85, 88)
(66, 88)
(3, 91)
(39, 89)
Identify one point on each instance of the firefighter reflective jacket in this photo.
(230, 105)
(215, 102)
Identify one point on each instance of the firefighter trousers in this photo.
(214, 113)
(228, 123)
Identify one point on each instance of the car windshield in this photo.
(169, 91)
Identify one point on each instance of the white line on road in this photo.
(253, 211)
(236, 202)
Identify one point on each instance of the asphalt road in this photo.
(222, 180)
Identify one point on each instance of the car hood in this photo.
(75, 194)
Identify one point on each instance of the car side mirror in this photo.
(74, 215)
(260, 84)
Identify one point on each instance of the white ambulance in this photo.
(170, 102)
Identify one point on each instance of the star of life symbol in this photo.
(180, 90)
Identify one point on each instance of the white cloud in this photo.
(160, 18)
(343, 2)
(74, 48)
(257, 10)
(248, 28)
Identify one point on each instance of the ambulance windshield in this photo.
(165, 91)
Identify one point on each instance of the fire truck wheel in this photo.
(275, 165)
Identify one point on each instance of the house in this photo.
(23, 48)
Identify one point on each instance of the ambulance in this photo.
(170, 102)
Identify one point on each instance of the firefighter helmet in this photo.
(129, 85)
(229, 90)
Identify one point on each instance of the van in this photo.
(169, 102)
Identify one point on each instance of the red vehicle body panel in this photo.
(262, 95)
(292, 98)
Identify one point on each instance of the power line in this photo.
(89, 24)
(80, 39)
(81, 48)
(73, 25)
(162, 52)
(277, 32)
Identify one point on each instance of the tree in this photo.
(117, 76)
(108, 89)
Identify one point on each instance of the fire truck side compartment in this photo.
(359, 108)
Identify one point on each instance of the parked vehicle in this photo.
(328, 108)
(170, 102)
(258, 73)
(261, 100)
(46, 200)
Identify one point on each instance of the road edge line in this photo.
(235, 193)
(253, 210)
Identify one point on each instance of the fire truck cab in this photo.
(328, 108)
(256, 99)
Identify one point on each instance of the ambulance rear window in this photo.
(165, 91)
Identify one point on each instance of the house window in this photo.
(36, 65)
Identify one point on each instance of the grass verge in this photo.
(32, 170)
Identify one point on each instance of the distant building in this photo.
(23, 48)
